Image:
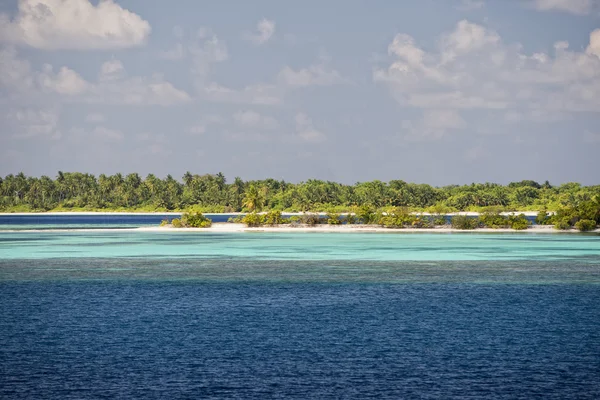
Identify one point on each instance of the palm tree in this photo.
(255, 197)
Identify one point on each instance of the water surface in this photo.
(299, 315)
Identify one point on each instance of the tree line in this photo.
(212, 193)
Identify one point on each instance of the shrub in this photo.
(562, 224)
(351, 219)
(494, 220)
(421, 222)
(176, 222)
(295, 219)
(164, 222)
(195, 219)
(366, 214)
(464, 222)
(440, 220)
(334, 218)
(311, 219)
(273, 218)
(518, 222)
(542, 218)
(238, 219)
(253, 220)
(585, 225)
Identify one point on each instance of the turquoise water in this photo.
(133, 314)
(301, 246)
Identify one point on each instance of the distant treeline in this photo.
(212, 193)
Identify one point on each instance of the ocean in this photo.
(133, 314)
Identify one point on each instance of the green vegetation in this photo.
(493, 219)
(193, 218)
(392, 204)
(464, 222)
(518, 222)
(585, 225)
(176, 222)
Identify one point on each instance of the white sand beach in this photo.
(232, 228)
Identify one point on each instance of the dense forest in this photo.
(74, 191)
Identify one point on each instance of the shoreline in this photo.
(227, 227)
(83, 213)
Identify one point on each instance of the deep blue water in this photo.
(136, 339)
(116, 220)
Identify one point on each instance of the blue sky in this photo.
(427, 91)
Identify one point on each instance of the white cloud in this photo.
(204, 55)
(578, 7)
(594, 46)
(473, 68)
(31, 122)
(314, 75)
(306, 131)
(15, 73)
(264, 31)
(252, 119)
(111, 71)
(433, 125)
(73, 24)
(65, 81)
(113, 85)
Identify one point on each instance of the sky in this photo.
(427, 91)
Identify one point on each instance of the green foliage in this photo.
(440, 220)
(334, 218)
(238, 219)
(165, 222)
(366, 214)
(195, 219)
(351, 219)
(542, 218)
(211, 193)
(464, 222)
(176, 222)
(253, 220)
(494, 220)
(398, 217)
(310, 219)
(585, 225)
(562, 224)
(273, 218)
(518, 222)
(255, 198)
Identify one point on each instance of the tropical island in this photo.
(393, 204)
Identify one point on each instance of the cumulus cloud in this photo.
(65, 81)
(473, 68)
(113, 85)
(73, 24)
(578, 7)
(306, 131)
(264, 31)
